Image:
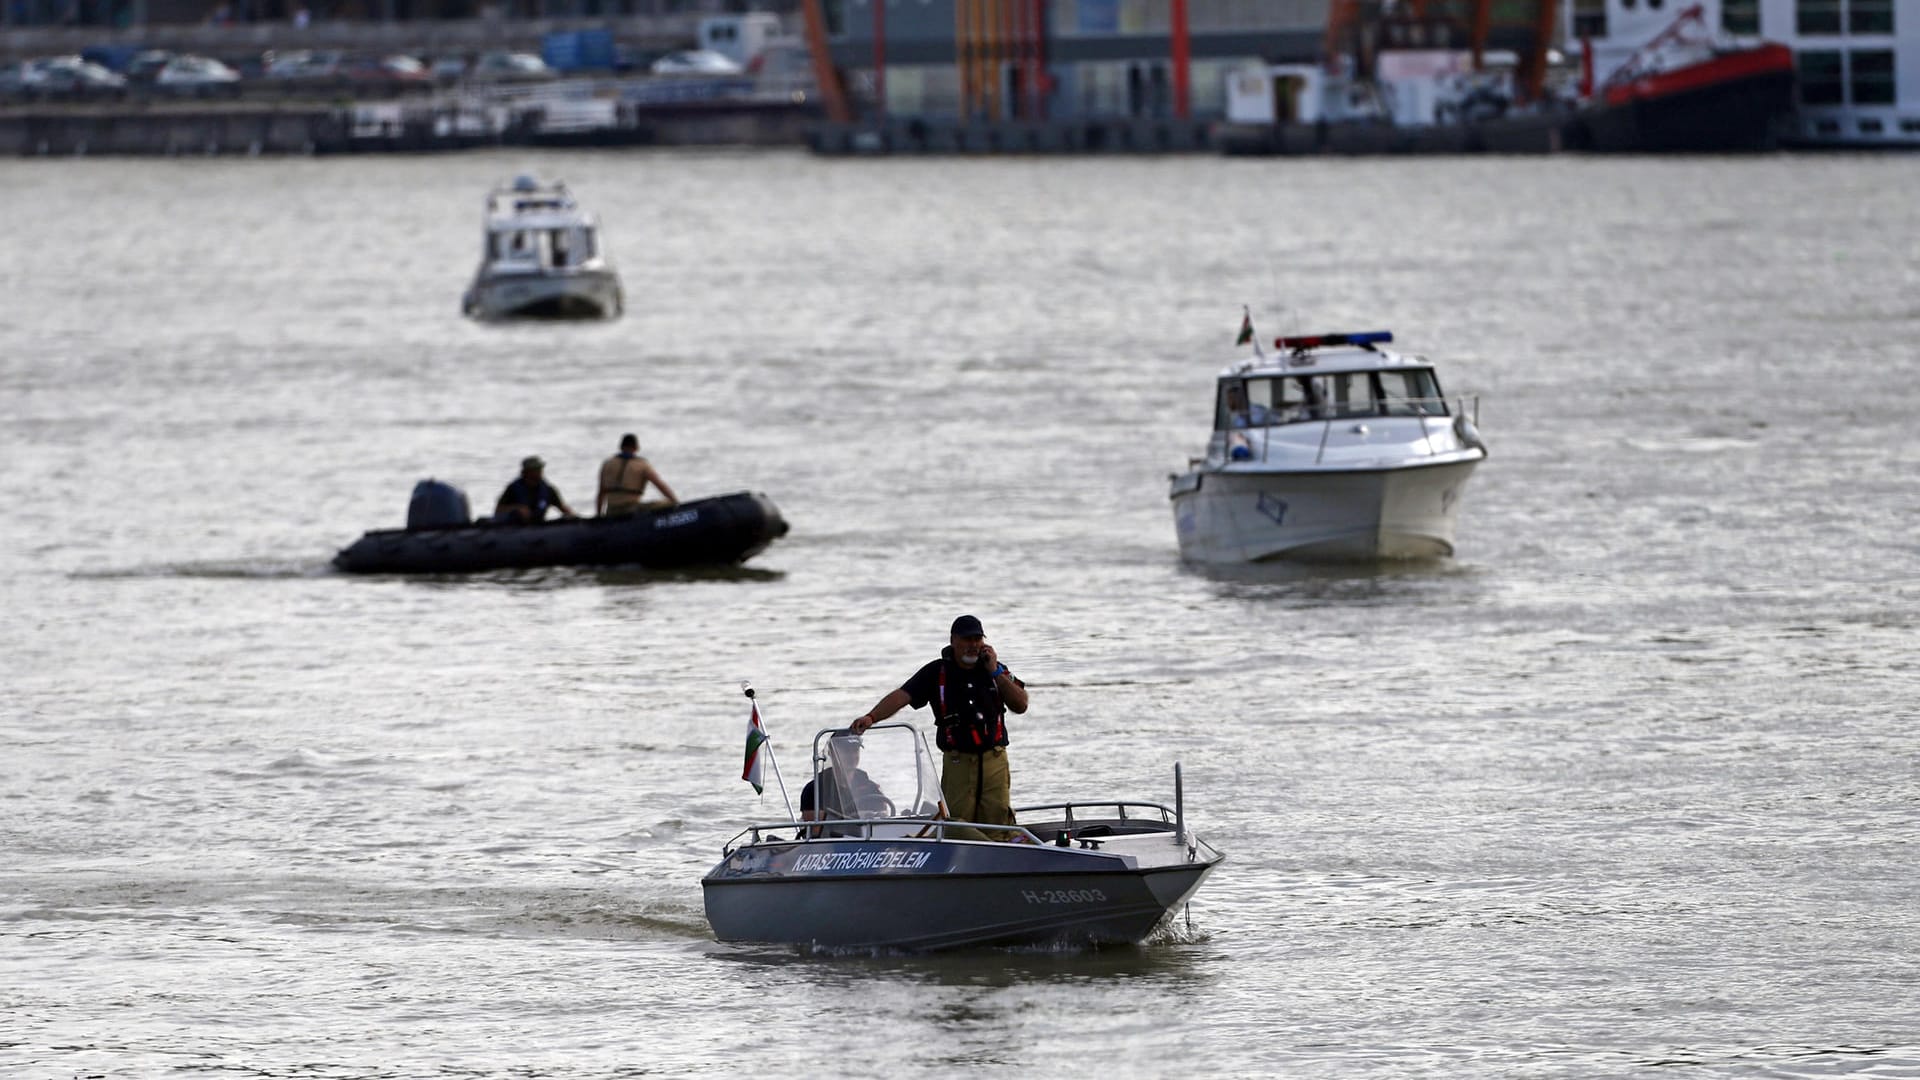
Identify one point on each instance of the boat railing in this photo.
(823, 831)
(1467, 406)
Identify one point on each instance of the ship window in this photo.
(1870, 17)
(1740, 16)
(1410, 393)
(1346, 394)
(1910, 125)
(1817, 16)
(1821, 82)
(1872, 77)
(1827, 127)
(1589, 18)
(1872, 126)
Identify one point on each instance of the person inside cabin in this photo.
(1240, 414)
(623, 483)
(971, 691)
(829, 797)
(528, 498)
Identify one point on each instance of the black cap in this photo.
(967, 626)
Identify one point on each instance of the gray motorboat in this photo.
(541, 258)
(880, 866)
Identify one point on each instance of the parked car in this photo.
(510, 67)
(304, 65)
(197, 76)
(397, 72)
(71, 78)
(448, 69)
(13, 86)
(145, 65)
(695, 62)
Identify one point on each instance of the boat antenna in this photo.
(747, 689)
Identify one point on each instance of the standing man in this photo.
(971, 691)
(527, 498)
(623, 480)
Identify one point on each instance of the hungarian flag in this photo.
(1246, 328)
(756, 738)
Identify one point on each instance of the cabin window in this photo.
(1410, 393)
(1872, 82)
(559, 248)
(1870, 17)
(1740, 16)
(1589, 18)
(1817, 16)
(1821, 82)
(1346, 394)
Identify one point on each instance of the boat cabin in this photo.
(1308, 382)
(534, 228)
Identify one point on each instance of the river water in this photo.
(1632, 783)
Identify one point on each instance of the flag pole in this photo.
(747, 688)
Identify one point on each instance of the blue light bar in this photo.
(1370, 337)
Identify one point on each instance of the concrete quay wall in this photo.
(330, 129)
(64, 133)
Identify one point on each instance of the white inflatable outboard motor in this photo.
(437, 506)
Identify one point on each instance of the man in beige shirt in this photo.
(623, 480)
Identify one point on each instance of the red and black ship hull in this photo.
(1734, 102)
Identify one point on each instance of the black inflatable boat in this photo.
(438, 539)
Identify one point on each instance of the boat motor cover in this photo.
(437, 505)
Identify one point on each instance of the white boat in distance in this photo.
(883, 867)
(541, 258)
(1331, 449)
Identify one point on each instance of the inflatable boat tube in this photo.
(723, 530)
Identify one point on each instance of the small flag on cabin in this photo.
(756, 738)
(1246, 328)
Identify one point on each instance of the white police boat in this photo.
(1330, 449)
(882, 867)
(541, 258)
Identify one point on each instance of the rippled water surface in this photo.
(1631, 784)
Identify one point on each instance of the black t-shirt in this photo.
(537, 498)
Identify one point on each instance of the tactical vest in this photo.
(973, 720)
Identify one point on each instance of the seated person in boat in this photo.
(623, 481)
(1240, 414)
(528, 498)
(843, 790)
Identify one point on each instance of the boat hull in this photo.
(724, 530)
(924, 895)
(1732, 103)
(1243, 516)
(575, 294)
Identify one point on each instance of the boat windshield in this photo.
(1264, 401)
(887, 772)
(553, 248)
